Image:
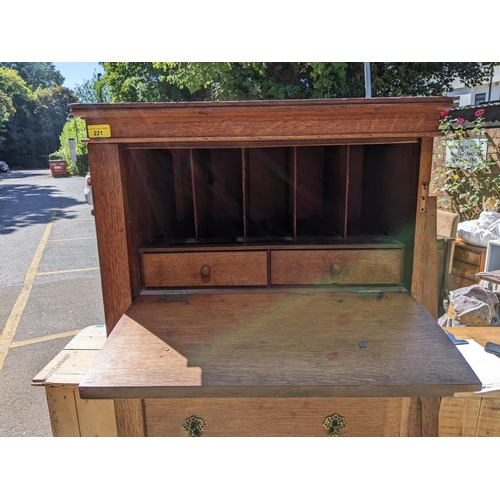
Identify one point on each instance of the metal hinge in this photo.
(370, 294)
(424, 193)
(174, 297)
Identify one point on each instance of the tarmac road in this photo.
(49, 287)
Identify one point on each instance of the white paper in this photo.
(485, 365)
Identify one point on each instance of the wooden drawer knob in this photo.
(205, 271)
(335, 269)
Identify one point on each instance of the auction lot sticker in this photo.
(98, 131)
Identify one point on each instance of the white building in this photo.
(488, 92)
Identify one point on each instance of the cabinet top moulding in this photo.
(272, 121)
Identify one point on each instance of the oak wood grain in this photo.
(223, 268)
(342, 118)
(269, 417)
(110, 214)
(310, 267)
(280, 344)
(423, 287)
(430, 417)
(129, 414)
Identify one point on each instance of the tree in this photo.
(37, 74)
(74, 128)
(51, 108)
(425, 79)
(141, 82)
(16, 107)
(13, 91)
(93, 90)
(174, 81)
(32, 112)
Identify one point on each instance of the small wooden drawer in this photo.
(464, 270)
(205, 269)
(465, 255)
(342, 267)
(459, 282)
(242, 417)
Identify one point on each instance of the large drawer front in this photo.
(274, 417)
(194, 269)
(342, 267)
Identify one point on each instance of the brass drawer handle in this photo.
(205, 271)
(335, 269)
(193, 425)
(334, 424)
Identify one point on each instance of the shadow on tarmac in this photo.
(38, 201)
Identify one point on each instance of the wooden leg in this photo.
(430, 417)
(130, 418)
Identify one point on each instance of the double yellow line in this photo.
(15, 316)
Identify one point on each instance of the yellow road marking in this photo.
(75, 239)
(15, 316)
(68, 271)
(74, 220)
(23, 343)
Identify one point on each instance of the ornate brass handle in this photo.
(193, 425)
(334, 424)
(335, 269)
(205, 271)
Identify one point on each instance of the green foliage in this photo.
(240, 80)
(14, 94)
(93, 91)
(49, 115)
(74, 128)
(320, 79)
(37, 74)
(141, 82)
(424, 79)
(468, 175)
(31, 120)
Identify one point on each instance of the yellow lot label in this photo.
(98, 131)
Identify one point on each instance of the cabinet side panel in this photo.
(389, 188)
(62, 410)
(424, 279)
(458, 416)
(147, 211)
(109, 208)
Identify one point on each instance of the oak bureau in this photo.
(269, 268)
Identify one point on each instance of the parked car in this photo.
(87, 192)
(3, 166)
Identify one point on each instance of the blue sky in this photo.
(76, 72)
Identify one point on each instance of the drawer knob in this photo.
(335, 269)
(334, 424)
(193, 425)
(205, 271)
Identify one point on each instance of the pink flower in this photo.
(460, 121)
(444, 113)
(479, 112)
